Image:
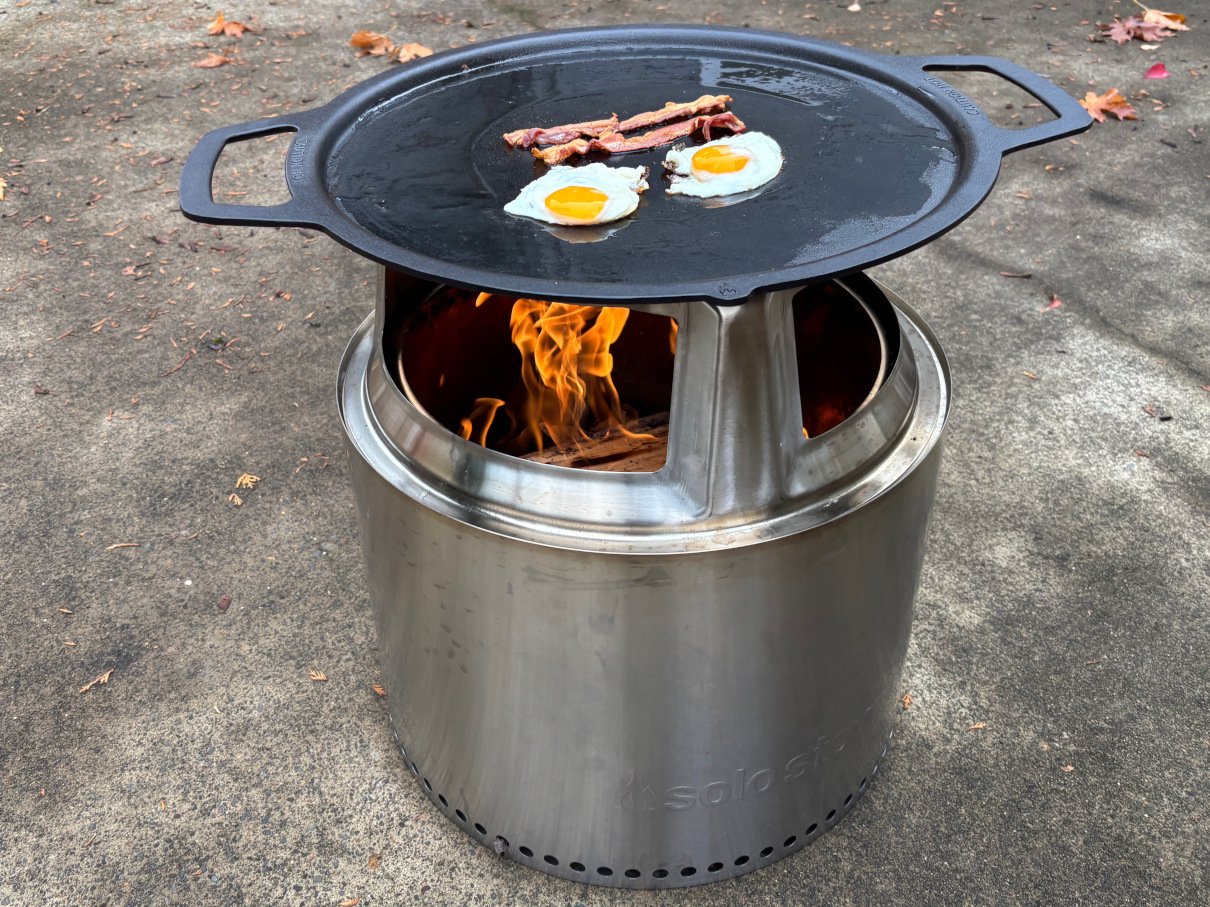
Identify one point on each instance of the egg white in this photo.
(765, 160)
(622, 185)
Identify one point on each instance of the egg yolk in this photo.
(577, 202)
(717, 159)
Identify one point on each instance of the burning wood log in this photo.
(611, 451)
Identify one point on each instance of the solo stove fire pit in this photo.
(667, 652)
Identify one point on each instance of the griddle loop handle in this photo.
(302, 210)
(1071, 117)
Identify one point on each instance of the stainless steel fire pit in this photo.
(666, 677)
(654, 679)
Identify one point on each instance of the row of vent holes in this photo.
(687, 871)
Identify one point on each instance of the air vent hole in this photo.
(789, 842)
(766, 852)
(714, 867)
(811, 830)
(525, 851)
(831, 815)
(740, 861)
(604, 871)
(479, 828)
(553, 861)
(427, 785)
(441, 799)
(660, 874)
(848, 799)
(576, 865)
(632, 873)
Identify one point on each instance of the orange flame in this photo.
(566, 371)
(481, 417)
(566, 367)
(672, 332)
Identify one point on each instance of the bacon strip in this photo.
(594, 129)
(707, 103)
(616, 143)
(555, 135)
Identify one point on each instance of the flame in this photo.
(483, 414)
(672, 332)
(566, 372)
(566, 367)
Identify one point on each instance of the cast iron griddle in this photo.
(409, 168)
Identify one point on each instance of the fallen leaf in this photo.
(211, 61)
(1149, 409)
(1156, 71)
(372, 43)
(66, 611)
(379, 689)
(350, 902)
(1174, 21)
(235, 499)
(1139, 452)
(223, 604)
(99, 679)
(1021, 274)
(977, 726)
(1054, 303)
(906, 701)
(163, 805)
(247, 480)
(1069, 768)
(1030, 375)
(1111, 101)
(317, 676)
(412, 52)
(374, 862)
(40, 391)
(1153, 26)
(230, 28)
(3, 186)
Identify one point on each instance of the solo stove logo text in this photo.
(635, 793)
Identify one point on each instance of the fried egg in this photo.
(725, 166)
(581, 196)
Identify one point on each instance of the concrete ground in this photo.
(1056, 747)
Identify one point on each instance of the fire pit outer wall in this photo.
(653, 680)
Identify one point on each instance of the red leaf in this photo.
(1156, 71)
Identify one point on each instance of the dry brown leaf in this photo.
(247, 480)
(372, 43)
(211, 61)
(235, 499)
(412, 52)
(977, 726)
(1174, 21)
(1069, 768)
(70, 643)
(350, 902)
(374, 862)
(906, 701)
(1111, 101)
(3, 186)
(230, 28)
(317, 676)
(66, 611)
(100, 678)
(379, 689)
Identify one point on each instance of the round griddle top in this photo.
(410, 169)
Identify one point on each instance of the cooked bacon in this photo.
(556, 135)
(707, 103)
(616, 143)
(594, 129)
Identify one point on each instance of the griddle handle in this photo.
(302, 210)
(1072, 118)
